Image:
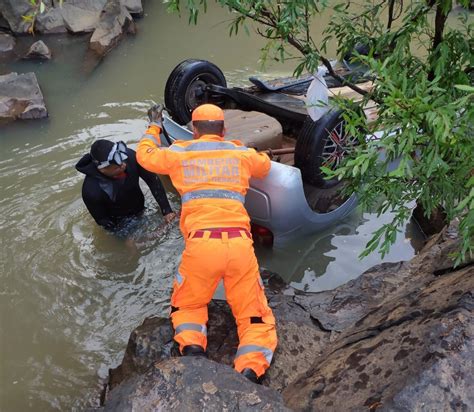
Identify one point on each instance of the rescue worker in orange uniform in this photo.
(212, 177)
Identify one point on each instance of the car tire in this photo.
(317, 145)
(184, 88)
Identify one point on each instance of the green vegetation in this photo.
(423, 87)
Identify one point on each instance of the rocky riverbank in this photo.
(105, 21)
(400, 337)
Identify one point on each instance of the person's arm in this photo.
(157, 190)
(260, 164)
(96, 206)
(150, 155)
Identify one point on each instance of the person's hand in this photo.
(169, 217)
(155, 114)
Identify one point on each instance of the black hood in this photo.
(86, 166)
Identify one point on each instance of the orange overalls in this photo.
(212, 177)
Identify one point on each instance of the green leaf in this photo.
(464, 87)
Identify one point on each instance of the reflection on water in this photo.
(329, 259)
(70, 292)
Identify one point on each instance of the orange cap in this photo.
(207, 112)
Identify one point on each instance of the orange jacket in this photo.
(211, 175)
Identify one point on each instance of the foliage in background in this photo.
(423, 73)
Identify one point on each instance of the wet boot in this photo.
(194, 350)
(252, 376)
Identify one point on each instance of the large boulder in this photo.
(38, 51)
(192, 384)
(299, 340)
(115, 21)
(134, 7)
(51, 21)
(13, 12)
(21, 97)
(82, 15)
(398, 338)
(76, 16)
(415, 352)
(3, 22)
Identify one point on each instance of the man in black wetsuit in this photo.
(111, 190)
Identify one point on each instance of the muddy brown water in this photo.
(70, 293)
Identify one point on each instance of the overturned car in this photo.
(294, 200)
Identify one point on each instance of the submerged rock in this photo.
(39, 51)
(192, 384)
(21, 97)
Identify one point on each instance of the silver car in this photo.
(278, 204)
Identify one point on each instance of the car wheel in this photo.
(322, 143)
(185, 88)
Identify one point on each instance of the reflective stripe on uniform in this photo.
(152, 137)
(175, 148)
(243, 350)
(203, 146)
(213, 194)
(178, 278)
(191, 326)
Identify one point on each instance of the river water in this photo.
(70, 293)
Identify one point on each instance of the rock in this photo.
(299, 341)
(114, 22)
(413, 353)
(3, 23)
(76, 16)
(398, 338)
(21, 97)
(12, 12)
(191, 384)
(149, 343)
(337, 309)
(51, 22)
(7, 45)
(82, 15)
(38, 50)
(134, 7)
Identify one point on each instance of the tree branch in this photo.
(423, 10)
(391, 6)
(440, 21)
(345, 82)
(301, 48)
